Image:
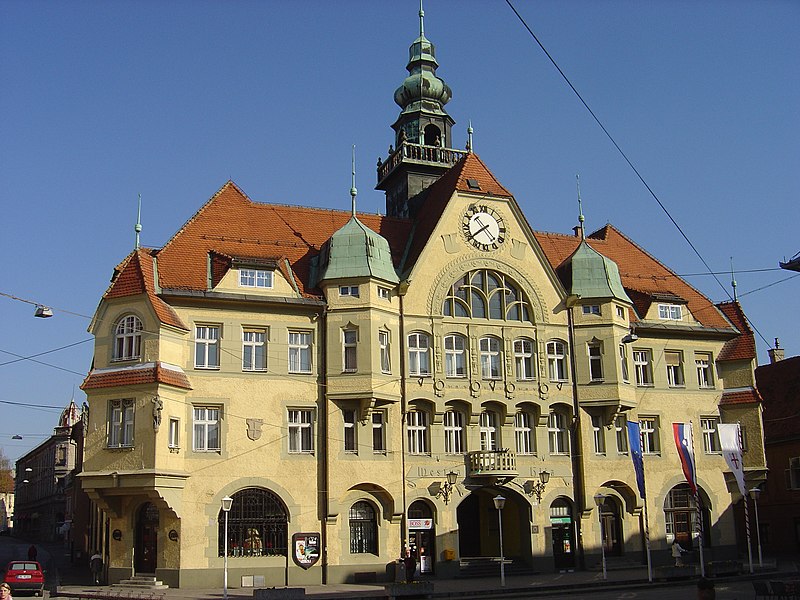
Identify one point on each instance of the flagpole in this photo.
(699, 512)
(746, 511)
(646, 520)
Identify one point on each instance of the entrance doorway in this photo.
(479, 525)
(146, 548)
(563, 533)
(612, 527)
(422, 536)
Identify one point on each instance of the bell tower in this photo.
(422, 149)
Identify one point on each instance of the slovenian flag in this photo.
(683, 441)
(635, 446)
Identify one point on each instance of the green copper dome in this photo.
(357, 251)
(594, 275)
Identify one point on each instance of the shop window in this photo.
(257, 525)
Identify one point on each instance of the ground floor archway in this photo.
(146, 548)
(479, 525)
(562, 528)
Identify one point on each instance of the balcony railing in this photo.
(492, 463)
(421, 154)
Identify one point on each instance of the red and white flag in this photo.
(731, 442)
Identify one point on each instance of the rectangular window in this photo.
(174, 433)
(299, 352)
(350, 350)
(488, 425)
(259, 278)
(417, 429)
(710, 428)
(643, 366)
(599, 435)
(523, 358)
(557, 360)
(595, 362)
(120, 424)
(454, 432)
(385, 349)
(348, 290)
(350, 431)
(557, 433)
(591, 309)
(418, 355)
(523, 433)
(670, 312)
(702, 363)
(490, 358)
(620, 312)
(623, 363)
(650, 435)
(384, 293)
(455, 363)
(379, 432)
(793, 474)
(254, 350)
(301, 431)
(674, 361)
(206, 429)
(206, 347)
(621, 431)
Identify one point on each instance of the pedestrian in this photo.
(411, 566)
(677, 553)
(5, 591)
(32, 552)
(96, 565)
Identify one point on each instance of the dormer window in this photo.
(257, 278)
(670, 312)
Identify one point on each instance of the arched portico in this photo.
(479, 525)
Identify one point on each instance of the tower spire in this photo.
(138, 227)
(469, 138)
(580, 208)
(421, 20)
(733, 282)
(353, 190)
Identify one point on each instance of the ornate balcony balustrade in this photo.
(492, 463)
(418, 153)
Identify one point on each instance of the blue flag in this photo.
(635, 446)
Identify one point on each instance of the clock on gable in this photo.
(483, 227)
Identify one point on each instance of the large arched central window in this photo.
(485, 294)
(257, 524)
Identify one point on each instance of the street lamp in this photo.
(598, 500)
(754, 494)
(499, 504)
(446, 488)
(227, 502)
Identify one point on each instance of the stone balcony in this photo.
(492, 463)
(419, 154)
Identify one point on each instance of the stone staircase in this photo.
(141, 582)
(489, 566)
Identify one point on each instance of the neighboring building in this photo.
(334, 373)
(779, 504)
(6, 509)
(42, 475)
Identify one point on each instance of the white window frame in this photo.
(705, 374)
(673, 359)
(489, 430)
(207, 346)
(301, 430)
(384, 293)
(256, 278)
(174, 433)
(254, 349)
(121, 415)
(454, 438)
(524, 434)
(417, 431)
(349, 350)
(300, 345)
(349, 290)
(206, 424)
(419, 354)
(651, 439)
(598, 435)
(455, 357)
(128, 338)
(557, 433)
(491, 354)
(594, 351)
(709, 425)
(384, 345)
(378, 419)
(557, 360)
(670, 312)
(523, 359)
(350, 430)
(591, 309)
(623, 363)
(643, 367)
(620, 312)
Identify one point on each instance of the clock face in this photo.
(483, 227)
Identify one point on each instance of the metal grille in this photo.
(257, 525)
(363, 529)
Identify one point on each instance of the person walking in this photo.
(32, 552)
(96, 565)
(5, 591)
(677, 553)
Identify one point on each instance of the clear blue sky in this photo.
(102, 101)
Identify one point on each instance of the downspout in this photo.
(576, 453)
(322, 326)
(401, 292)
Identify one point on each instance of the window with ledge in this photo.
(379, 432)
(598, 435)
(705, 378)
(455, 362)
(128, 338)
(257, 525)
(650, 435)
(254, 349)
(348, 290)
(591, 309)
(623, 363)
(206, 429)
(384, 293)
(670, 312)
(417, 430)
(489, 430)
(674, 362)
(710, 429)
(206, 346)
(419, 358)
(299, 352)
(486, 294)
(385, 352)
(301, 431)
(523, 359)
(363, 529)
(349, 350)
(454, 442)
(257, 278)
(350, 431)
(595, 351)
(621, 432)
(642, 363)
(557, 432)
(524, 433)
(491, 357)
(174, 433)
(557, 360)
(120, 423)
(620, 312)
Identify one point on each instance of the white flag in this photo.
(730, 441)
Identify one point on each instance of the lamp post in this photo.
(499, 504)
(227, 502)
(754, 494)
(598, 500)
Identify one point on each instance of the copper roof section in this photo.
(139, 375)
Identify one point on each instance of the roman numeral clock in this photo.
(483, 227)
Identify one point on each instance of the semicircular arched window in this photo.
(486, 294)
(257, 524)
(128, 338)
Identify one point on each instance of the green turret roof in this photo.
(357, 251)
(594, 275)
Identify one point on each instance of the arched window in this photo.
(485, 294)
(363, 529)
(432, 135)
(680, 516)
(128, 338)
(419, 358)
(257, 525)
(557, 360)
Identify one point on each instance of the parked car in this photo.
(25, 575)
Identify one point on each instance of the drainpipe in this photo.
(402, 289)
(576, 453)
(322, 327)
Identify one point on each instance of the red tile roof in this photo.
(779, 384)
(742, 347)
(744, 396)
(151, 373)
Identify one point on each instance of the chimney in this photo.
(776, 354)
(578, 229)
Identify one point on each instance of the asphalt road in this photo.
(737, 590)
